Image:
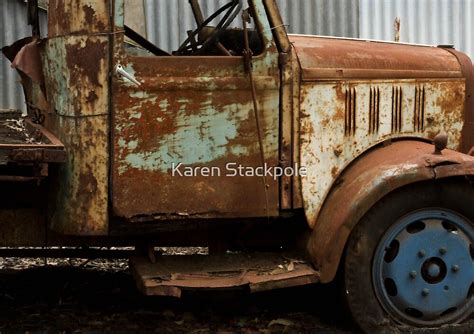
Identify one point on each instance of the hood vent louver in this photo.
(374, 111)
(397, 117)
(351, 107)
(419, 114)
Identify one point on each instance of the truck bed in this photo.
(22, 141)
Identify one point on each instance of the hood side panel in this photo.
(342, 120)
(328, 58)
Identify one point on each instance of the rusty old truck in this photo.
(295, 159)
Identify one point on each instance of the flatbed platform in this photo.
(22, 141)
(171, 275)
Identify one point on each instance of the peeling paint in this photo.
(197, 111)
(76, 65)
(323, 124)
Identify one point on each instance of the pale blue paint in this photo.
(131, 145)
(140, 94)
(58, 70)
(199, 139)
(164, 104)
(119, 13)
(136, 115)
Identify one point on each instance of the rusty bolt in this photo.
(440, 142)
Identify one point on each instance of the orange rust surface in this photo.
(323, 58)
(86, 59)
(77, 17)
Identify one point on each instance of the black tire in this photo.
(358, 266)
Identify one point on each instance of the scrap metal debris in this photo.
(16, 131)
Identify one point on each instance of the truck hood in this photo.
(329, 58)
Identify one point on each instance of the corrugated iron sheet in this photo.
(168, 21)
(422, 21)
(13, 27)
(321, 17)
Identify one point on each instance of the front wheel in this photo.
(409, 262)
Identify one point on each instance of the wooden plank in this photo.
(170, 275)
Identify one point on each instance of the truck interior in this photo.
(216, 35)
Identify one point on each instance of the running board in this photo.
(170, 275)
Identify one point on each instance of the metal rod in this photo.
(248, 67)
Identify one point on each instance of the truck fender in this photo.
(366, 181)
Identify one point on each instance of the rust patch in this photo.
(77, 17)
(341, 97)
(338, 152)
(88, 183)
(89, 14)
(92, 97)
(450, 99)
(85, 61)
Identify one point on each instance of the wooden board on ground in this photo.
(170, 275)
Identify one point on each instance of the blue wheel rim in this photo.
(423, 268)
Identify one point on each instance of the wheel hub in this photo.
(434, 270)
(423, 270)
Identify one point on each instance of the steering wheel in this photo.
(232, 9)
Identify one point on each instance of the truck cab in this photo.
(354, 155)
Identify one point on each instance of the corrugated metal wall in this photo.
(169, 20)
(422, 21)
(13, 27)
(321, 17)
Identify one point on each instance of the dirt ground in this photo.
(100, 296)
